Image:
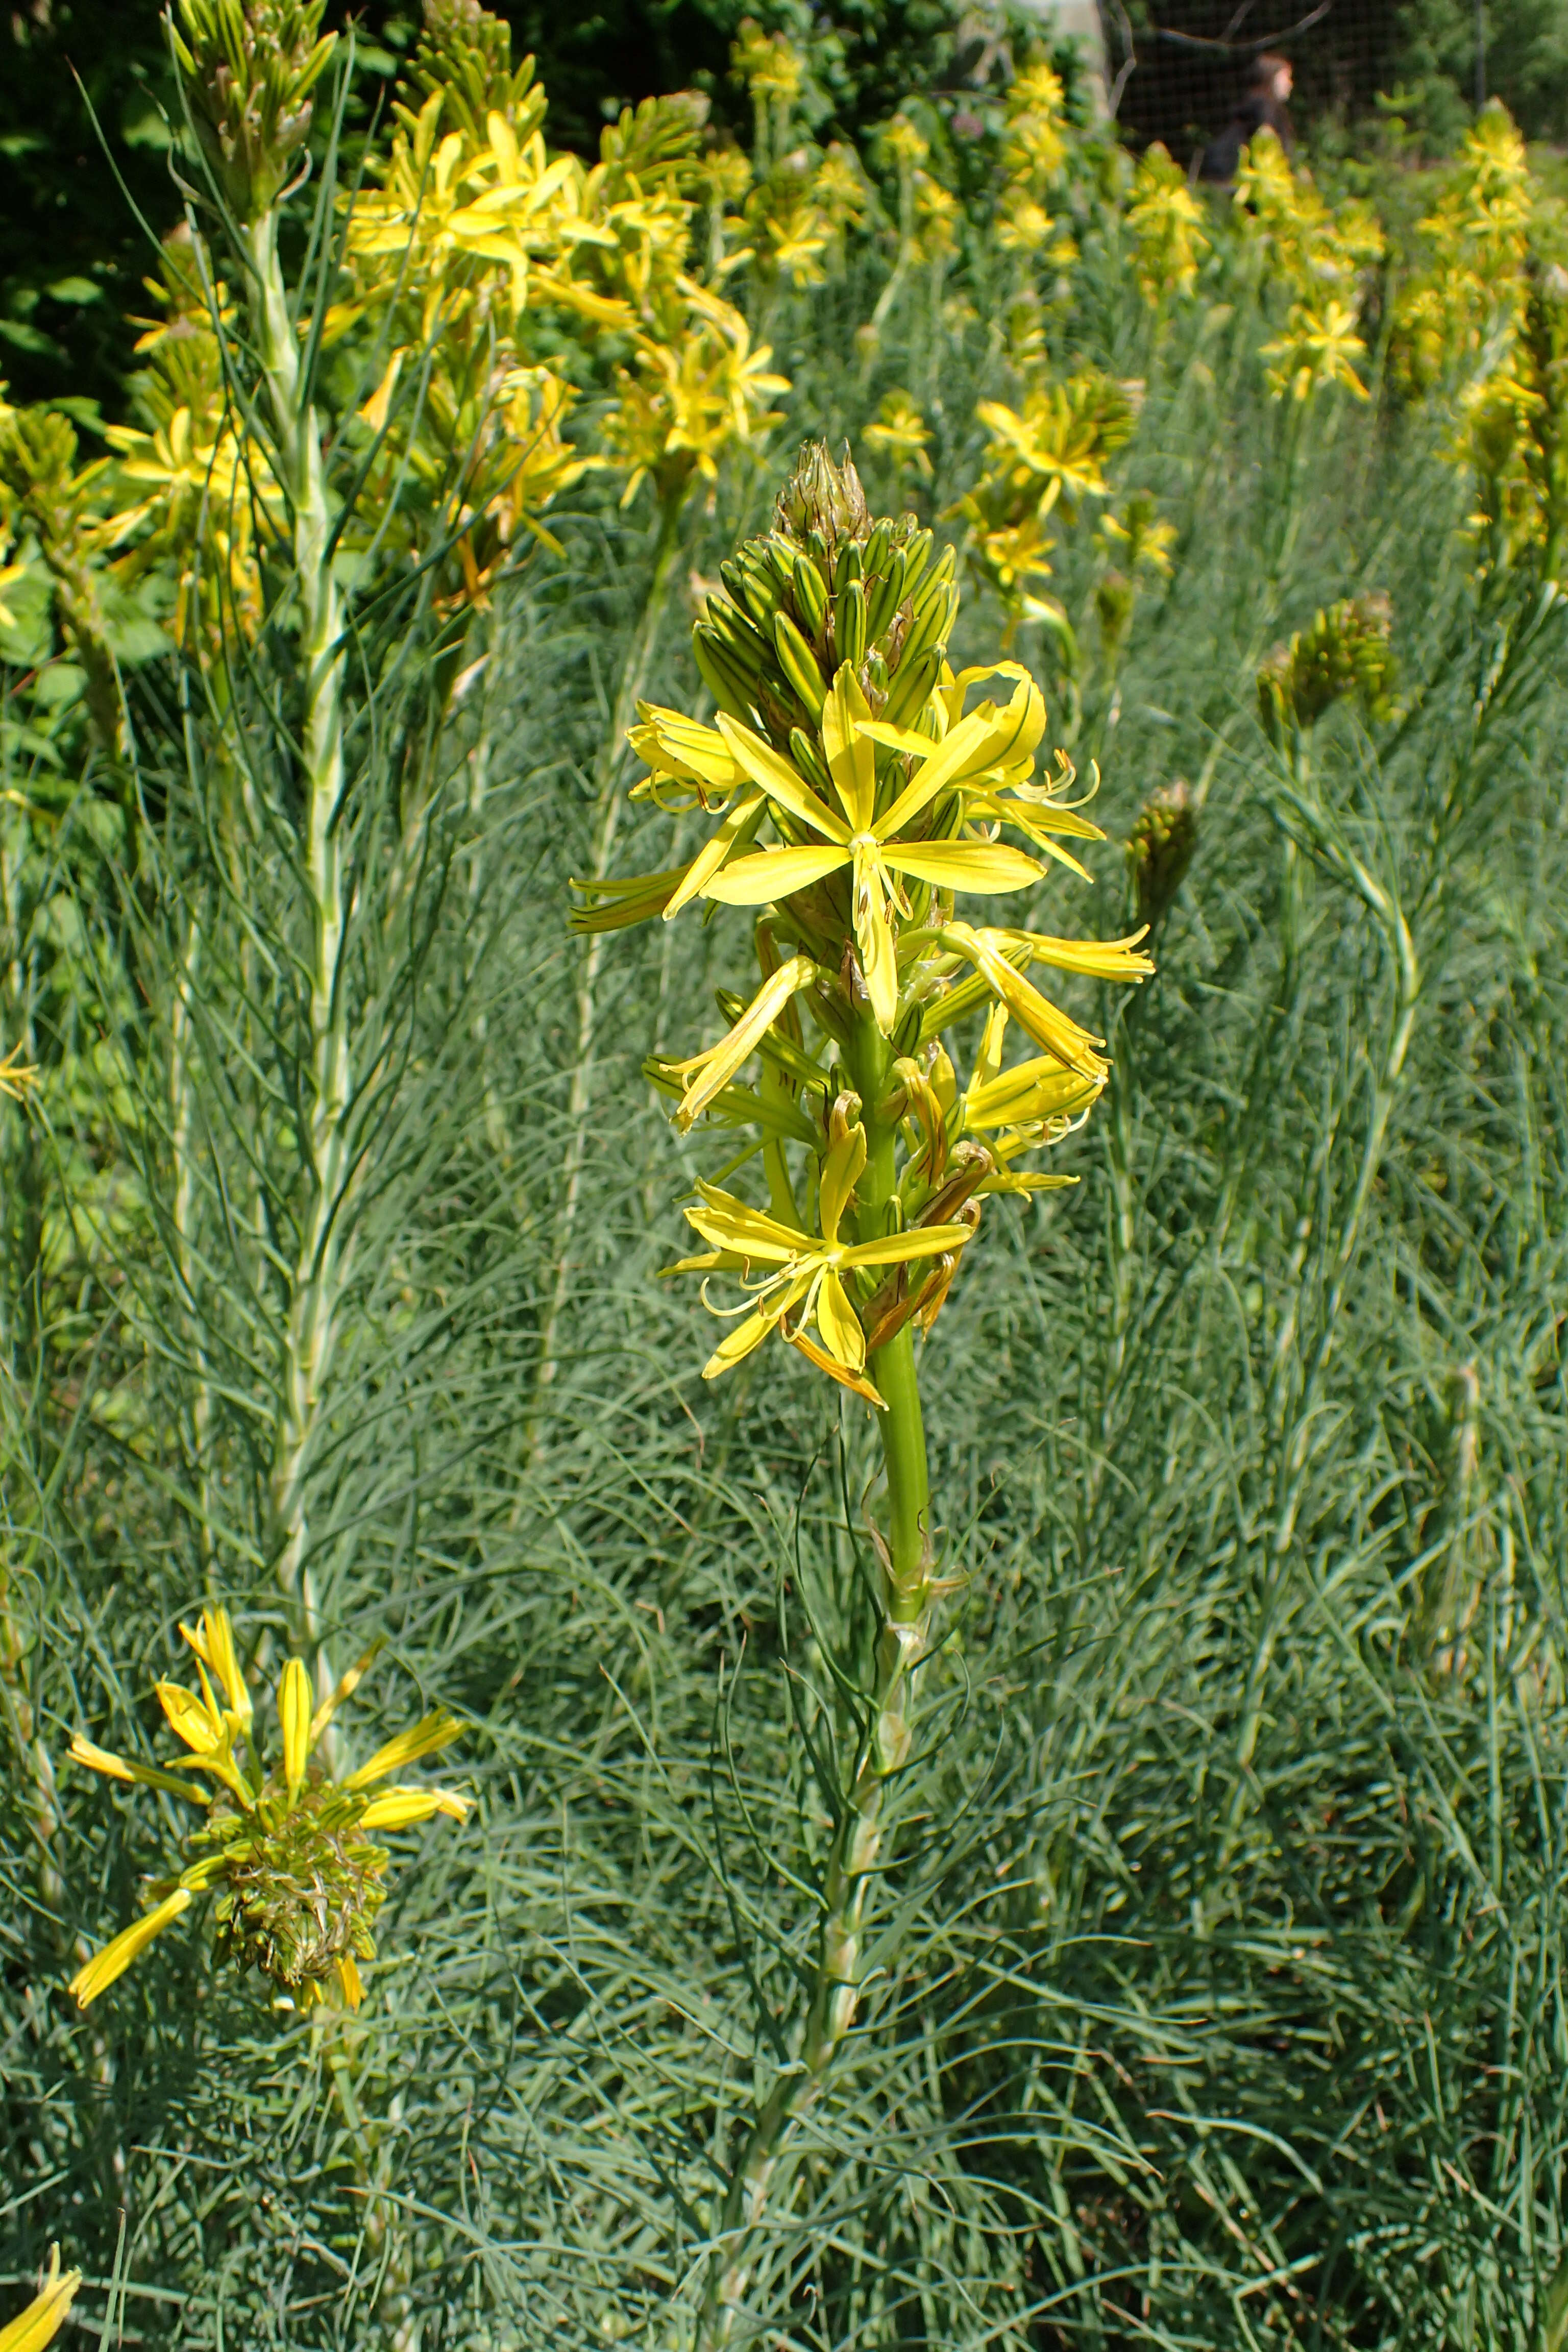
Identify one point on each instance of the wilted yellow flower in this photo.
(298, 1880)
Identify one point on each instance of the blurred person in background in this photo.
(1264, 104)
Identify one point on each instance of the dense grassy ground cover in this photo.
(1217, 1998)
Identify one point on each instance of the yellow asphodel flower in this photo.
(45, 2315)
(298, 1880)
(1320, 347)
(870, 846)
(807, 1281)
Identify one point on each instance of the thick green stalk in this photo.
(903, 1638)
(316, 1287)
(608, 802)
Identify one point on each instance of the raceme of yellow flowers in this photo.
(469, 235)
(859, 789)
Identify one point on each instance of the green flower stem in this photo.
(903, 1641)
(316, 1284)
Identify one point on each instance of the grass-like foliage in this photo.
(1207, 1986)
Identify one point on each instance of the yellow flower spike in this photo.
(287, 1852)
(294, 1716)
(44, 2316)
(96, 1976)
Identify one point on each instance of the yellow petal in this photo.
(99, 1759)
(744, 1232)
(294, 1715)
(376, 408)
(1101, 958)
(679, 746)
(213, 1644)
(96, 1976)
(780, 780)
(839, 1324)
(964, 750)
(841, 1171)
(1044, 1022)
(739, 1342)
(987, 866)
(40, 2323)
(400, 1809)
(348, 1979)
(424, 1738)
(710, 1072)
(189, 1720)
(146, 1776)
(708, 859)
(773, 874)
(874, 934)
(846, 1379)
(850, 760)
(894, 1249)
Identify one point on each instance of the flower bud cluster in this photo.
(249, 68)
(1344, 654)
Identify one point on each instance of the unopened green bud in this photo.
(1159, 849)
(1345, 652)
(822, 497)
(249, 68)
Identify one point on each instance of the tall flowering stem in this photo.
(859, 793)
(249, 67)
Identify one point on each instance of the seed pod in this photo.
(799, 664)
(849, 622)
(846, 567)
(810, 596)
(876, 549)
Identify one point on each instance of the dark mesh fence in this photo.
(1182, 65)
